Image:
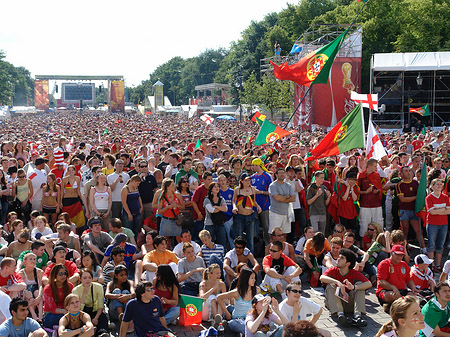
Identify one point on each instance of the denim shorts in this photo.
(406, 214)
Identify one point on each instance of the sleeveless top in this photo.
(101, 199)
(246, 201)
(167, 294)
(133, 201)
(22, 191)
(286, 249)
(241, 308)
(170, 212)
(27, 281)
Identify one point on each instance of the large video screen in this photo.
(74, 93)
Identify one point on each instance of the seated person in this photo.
(96, 240)
(398, 238)
(437, 312)
(265, 311)
(166, 288)
(116, 227)
(161, 255)
(297, 308)
(352, 286)
(211, 252)
(237, 255)
(38, 248)
(422, 276)
(59, 257)
(349, 243)
(379, 250)
(71, 254)
(10, 281)
(330, 258)
(130, 250)
(117, 258)
(394, 277)
(279, 269)
(338, 231)
(308, 233)
(75, 320)
(288, 249)
(190, 271)
(314, 252)
(120, 291)
(302, 328)
(138, 311)
(210, 287)
(20, 325)
(445, 272)
(64, 233)
(186, 237)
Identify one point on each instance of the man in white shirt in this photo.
(186, 237)
(116, 181)
(200, 155)
(297, 185)
(38, 178)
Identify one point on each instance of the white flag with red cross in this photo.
(207, 119)
(367, 100)
(374, 147)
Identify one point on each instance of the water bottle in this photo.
(220, 330)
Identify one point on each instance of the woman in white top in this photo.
(101, 200)
(34, 294)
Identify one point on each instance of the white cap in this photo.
(422, 258)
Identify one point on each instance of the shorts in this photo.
(48, 209)
(381, 294)
(406, 215)
(32, 288)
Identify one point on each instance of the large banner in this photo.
(159, 96)
(327, 104)
(41, 100)
(117, 96)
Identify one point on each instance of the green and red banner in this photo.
(348, 134)
(190, 310)
(314, 67)
(258, 118)
(422, 193)
(269, 133)
(423, 111)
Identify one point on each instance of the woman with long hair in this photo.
(166, 287)
(92, 300)
(314, 252)
(245, 290)
(352, 161)
(54, 294)
(75, 322)
(186, 194)
(100, 200)
(406, 319)
(120, 290)
(210, 287)
(265, 311)
(169, 205)
(244, 205)
(89, 262)
(32, 277)
(215, 208)
(132, 204)
(20, 245)
(20, 151)
(15, 228)
(22, 192)
(294, 160)
(51, 199)
(71, 197)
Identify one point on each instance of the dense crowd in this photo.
(108, 218)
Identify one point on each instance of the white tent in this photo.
(411, 61)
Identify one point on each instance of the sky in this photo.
(129, 38)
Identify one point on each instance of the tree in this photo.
(252, 92)
(276, 95)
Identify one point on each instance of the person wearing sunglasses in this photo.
(297, 308)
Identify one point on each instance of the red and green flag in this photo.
(314, 67)
(422, 193)
(258, 118)
(348, 134)
(423, 111)
(190, 310)
(269, 133)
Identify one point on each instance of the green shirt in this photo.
(41, 261)
(435, 315)
(128, 232)
(373, 252)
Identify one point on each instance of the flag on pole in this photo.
(269, 133)
(348, 134)
(314, 67)
(423, 111)
(422, 193)
(258, 118)
(424, 131)
(374, 148)
(190, 310)
(367, 100)
(207, 119)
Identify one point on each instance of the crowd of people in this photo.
(108, 218)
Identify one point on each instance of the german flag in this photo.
(258, 118)
(75, 209)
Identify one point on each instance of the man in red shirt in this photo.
(345, 291)
(393, 277)
(199, 214)
(280, 269)
(371, 192)
(418, 143)
(348, 194)
(10, 282)
(59, 256)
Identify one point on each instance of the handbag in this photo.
(218, 218)
(179, 218)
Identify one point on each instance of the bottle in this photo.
(220, 330)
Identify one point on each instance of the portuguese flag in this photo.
(258, 118)
(348, 134)
(190, 310)
(422, 193)
(314, 67)
(423, 111)
(269, 133)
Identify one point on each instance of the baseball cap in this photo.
(39, 161)
(398, 249)
(422, 258)
(120, 237)
(257, 298)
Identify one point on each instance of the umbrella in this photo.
(226, 117)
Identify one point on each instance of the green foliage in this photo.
(252, 91)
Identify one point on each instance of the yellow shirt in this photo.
(96, 302)
(107, 171)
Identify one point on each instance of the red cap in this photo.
(398, 249)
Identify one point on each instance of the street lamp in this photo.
(419, 80)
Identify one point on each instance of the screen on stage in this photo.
(74, 93)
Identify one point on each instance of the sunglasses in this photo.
(149, 289)
(62, 273)
(371, 229)
(184, 181)
(337, 231)
(21, 177)
(295, 291)
(274, 251)
(143, 166)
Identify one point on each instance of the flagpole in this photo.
(303, 98)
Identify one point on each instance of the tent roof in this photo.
(411, 61)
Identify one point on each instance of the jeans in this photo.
(134, 224)
(245, 223)
(190, 288)
(51, 319)
(4, 212)
(228, 224)
(436, 238)
(116, 303)
(196, 228)
(215, 259)
(218, 234)
(172, 314)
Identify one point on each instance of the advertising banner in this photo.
(41, 100)
(117, 96)
(159, 96)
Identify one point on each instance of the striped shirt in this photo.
(217, 249)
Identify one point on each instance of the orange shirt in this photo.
(310, 249)
(164, 258)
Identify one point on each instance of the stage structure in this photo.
(325, 104)
(79, 90)
(411, 80)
